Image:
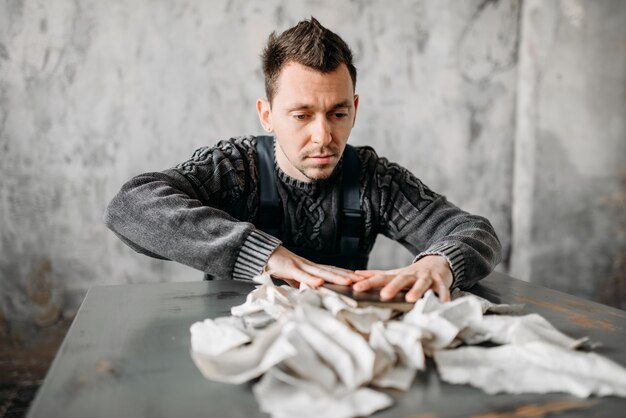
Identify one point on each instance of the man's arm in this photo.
(452, 247)
(189, 214)
(193, 215)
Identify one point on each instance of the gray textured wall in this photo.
(514, 110)
(569, 211)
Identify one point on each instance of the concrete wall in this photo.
(569, 211)
(514, 110)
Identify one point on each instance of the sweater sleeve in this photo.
(426, 223)
(196, 213)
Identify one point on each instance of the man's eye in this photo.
(341, 115)
(300, 117)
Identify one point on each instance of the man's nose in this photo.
(321, 132)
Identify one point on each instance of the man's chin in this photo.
(318, 173)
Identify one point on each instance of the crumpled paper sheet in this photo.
(284, 396)
(532, 367)
(517, 330)
(245, 362)
(320, 357)
(213, 338)
(488, 306)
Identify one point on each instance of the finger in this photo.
(420, 287)
(359, 278)
(339, 270)
(337, 280)
(397, 284)
(372, 282)
(442, 290)
(369, 273)
(345, 273)
(324, 274)
(304, 277)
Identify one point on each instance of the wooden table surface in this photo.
(127, 354)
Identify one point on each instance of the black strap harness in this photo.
(270, 210)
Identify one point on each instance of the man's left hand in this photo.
(431, 272)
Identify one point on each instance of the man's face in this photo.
(311, 115)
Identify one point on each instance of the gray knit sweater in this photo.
(202, 214)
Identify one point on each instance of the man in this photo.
(203, 212)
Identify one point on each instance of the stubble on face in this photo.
(316, 171)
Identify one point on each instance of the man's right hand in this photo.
(285, 265)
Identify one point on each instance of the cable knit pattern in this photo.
(310, 211)
(225, 173)
(202, 213)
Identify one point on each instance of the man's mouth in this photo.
(321, 158)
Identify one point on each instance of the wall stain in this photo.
(48, 316)
(539, 411)
(612, 290)
(39, 290)
(38, 286)
(577, 318)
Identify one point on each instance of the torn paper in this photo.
(214, 338)
(534, 367)
(246, 362)
(339, 346)
(287, 399)
(488, 306)
(319, 356)
(517, 330)
(361, 319)
(441, 321)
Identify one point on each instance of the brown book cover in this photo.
(369, 298)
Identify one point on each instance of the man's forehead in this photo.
(301, 87)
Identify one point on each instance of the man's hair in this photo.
(308, 43)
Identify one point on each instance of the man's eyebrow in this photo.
(345, 103)
(304, 106)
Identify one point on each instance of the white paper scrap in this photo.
(211, 338)
(361, 319)
(488, 306)
(287, 400)
(504, 329)
(345, 350)
(249, 361)
(306, 363)
(443, 321)
(319, 356)
(534, 367)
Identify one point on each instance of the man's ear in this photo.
(264, 110)
(356, 106)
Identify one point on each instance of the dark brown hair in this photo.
(308, 43)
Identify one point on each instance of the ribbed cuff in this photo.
(453, 255)
(254, 254)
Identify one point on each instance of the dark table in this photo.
(127, 354)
